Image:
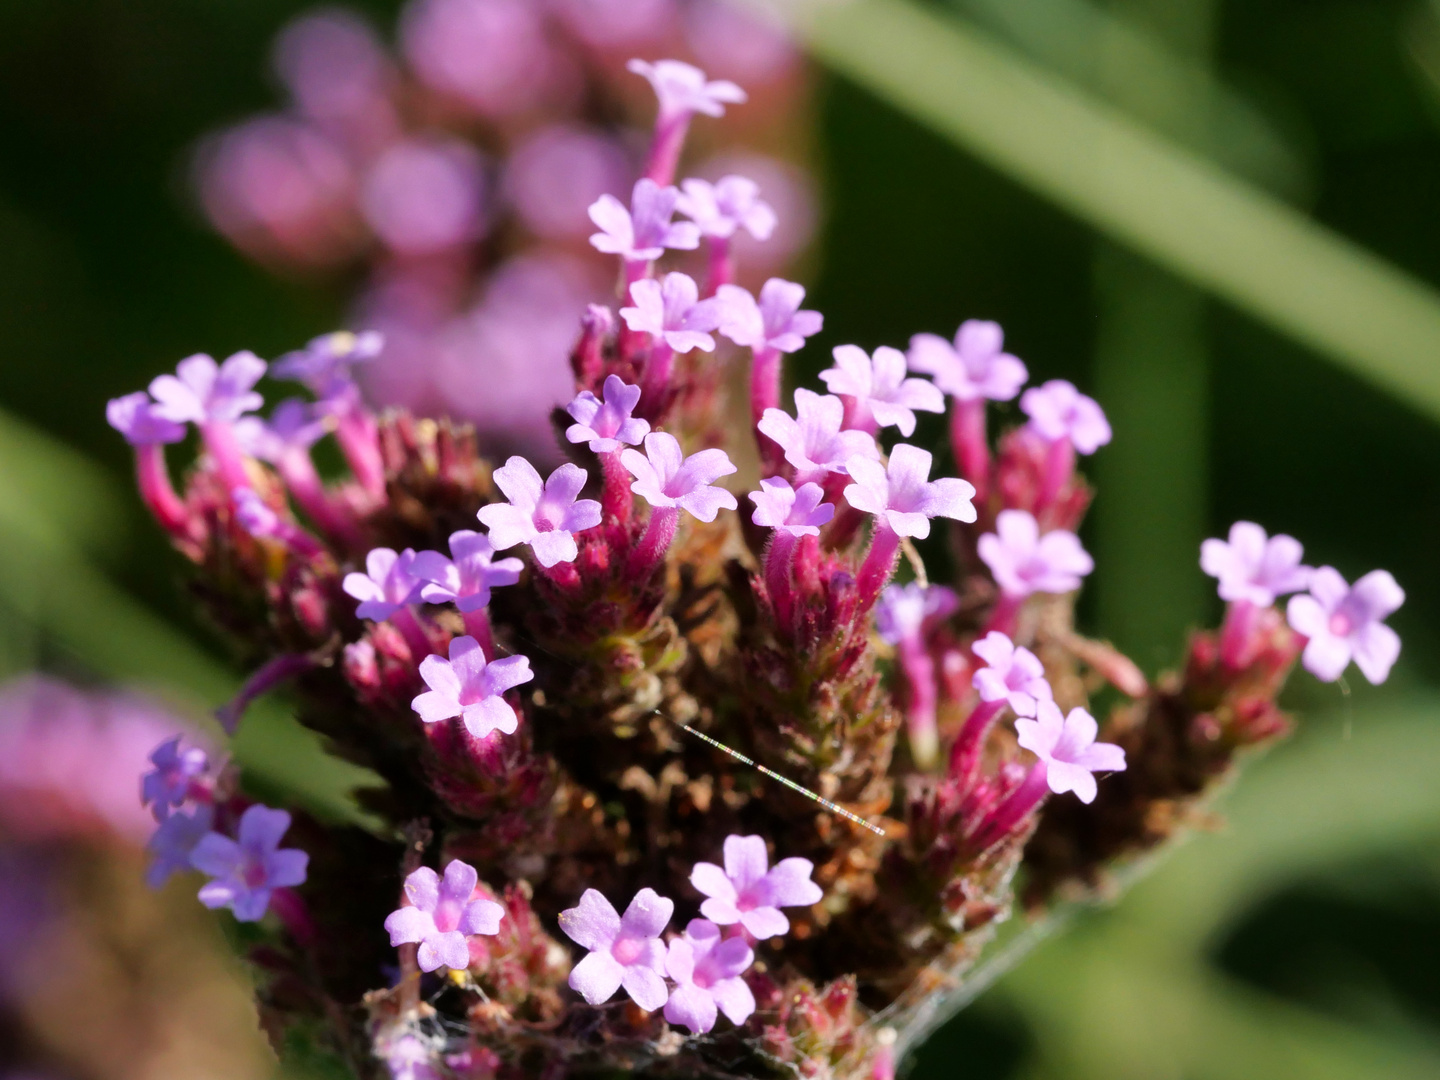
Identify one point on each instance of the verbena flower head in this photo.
(467, 580)
(814, 440)
(606, 423)
(645, 230)
(797, 512)
(974, 366)
(1344, 623)
(173, 842)
(707, 974)
(167, 785)
(665, 477)
(293, 426)
(328, 359)
(441, 916)
(135, 417)
(747, 891)
(878, 384)
(775, 322)
(683, 89)
(388, 583)
(731, 203)
(1255, 568)
(247, 870)
(1024, 562)
(903, 496)
(903, 609)
(1068, 749)
(467, 687)
(671, 311)
(1059, 411)
(1012, 674)
(545, 515)
(624, 950)
(202, 392)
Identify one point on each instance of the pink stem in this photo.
(722, 264)
(409, 626)
(589, 357)
(1004, 615)
(1059, 468)
(1015, 809)
(778, 562)
(970, 743)
(220, 441)
(269, 675)
(298, 471)
(879, 564)
(970, 444)
(477, 625)
(655, 379)
(298, 540)
(153, 479)
(665, 150)
(764, 381)
(650, 552)
(858, 416)
(360, 442)
(919, 669)
(616, 500)
(1235, 636)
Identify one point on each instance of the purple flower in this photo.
(441, 915)
(799, 513)
(174, 842)
(672, 311)
(624, 950)
(168, 784)
(245, 873)
(292, 427)
(607, 424)
(903, 609)
(683, 89)
(816, 443)
(425, 195)
(326, 360)
(409, 1058)
(1012, 674)
(643, 232)
(879, 386)
(1255, 568)
(974, 366)
(776, 322)
(903, 496)
(467, 581)
(730, 203)
(1343, 623)
(467, 687)
(546, 516)
(748, 893)
(388, 584)
(254, 514)
(1068, 749)
(1024, 562)
(707, 973)
(664, 477)
(201, 391)
(134, 416)
(1058, 411)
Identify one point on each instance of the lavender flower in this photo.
(327, 359)
(902, 496)
(441, 915)
(796, 512)
(1013, 674)
(254, 514)
(816, 443)
(424, 196)
(879, 387)
(644, 231)
(174, 841)
(1254, 568)
(748, 892)
(903, 610)
(665, 477)
(1068, 750)
(247, 871)
(682, 88)
(467, 687)
(1059, 411)
(607, 424)
(624, 950)
(292, 428)
(732, 202)
(672, 311)
(707, 974)
(974, 366)
(546, 516)
(1343, 623)
(167, 785)
(466, 582)
(135, 417)
(1024, 562)
(202, 392)
(776, 322)
(388, 584)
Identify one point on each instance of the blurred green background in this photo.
(1218, 218)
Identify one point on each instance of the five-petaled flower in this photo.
(731, 203)
(1059, 411)
(173, 842)
(797, 512)
(606, 423)
(202, 392)
(467, 687)
(707, 974)
(544, 515)
(136, 418)
(1068, 749)
(974, 366)
(167, 785)
(1255, 568)
(293, 427)
(389, 583)
(747, 891)
(467, 580)
(324, 363)
(624, 950)
(902, 496)
(1344, 623)
(665, 477)
(671, 311)
(645, 230)
(442, 915)
(903, 609)
(1012, 674)
(817, 442)
(682, 88)
(879, 387)
(246, 871)
(1024, 562)
(775, 322)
